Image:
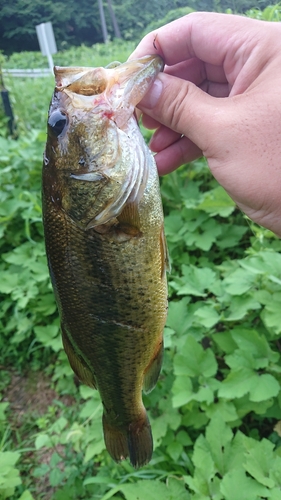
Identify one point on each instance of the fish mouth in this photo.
(127, 82)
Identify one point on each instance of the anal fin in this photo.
(152, 371)
(77, 364)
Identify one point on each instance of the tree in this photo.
(75, 23)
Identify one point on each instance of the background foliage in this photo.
(215, 412)
(75, 23)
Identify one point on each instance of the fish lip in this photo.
(133, 67)
(134, 78)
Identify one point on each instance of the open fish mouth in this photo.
(122, 85)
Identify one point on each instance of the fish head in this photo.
(113, 91)
(91, 127)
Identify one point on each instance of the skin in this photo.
(220, 96)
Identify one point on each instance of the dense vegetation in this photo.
(79, 22)
(215, 412)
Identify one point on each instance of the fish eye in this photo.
(57, 122)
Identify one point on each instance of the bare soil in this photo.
(30, 397)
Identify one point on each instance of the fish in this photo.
(105, 243)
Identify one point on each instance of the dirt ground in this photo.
(30, 397)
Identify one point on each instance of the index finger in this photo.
(207, 36)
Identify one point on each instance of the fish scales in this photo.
(107, 269)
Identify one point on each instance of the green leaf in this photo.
(225, 342)
(26, 496)
(46, 333)
(225, 408)
(183, 438)
(86, 392)
(218, 436)
(207, 316)
(240, 359)
(260, 461)
(193, 360)
(202, 459)
(42, 440)
(266, 387)
(231, 235)
(183, 391)
(240, 306)
(56, 477)
(170, 418)
(59, 425)
(93, 449)
(97, 480)
(237, 383)
(239, 281)
(196, 280)
(244, 406)
(205, 237)
(3, 408)
(175, 449)
(178, 318)
(250, 340)
(271, 314)
(8, 283)
(217, 202)
(8, 459)
(145, 490)
(55, 459)
(275, 494)
(41, 471)
(177, 489)
(236, 481)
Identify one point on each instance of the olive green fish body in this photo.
(107, 257)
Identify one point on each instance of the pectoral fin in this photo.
(129, 218)
(152, 372)
(124, 227)
(77, 364)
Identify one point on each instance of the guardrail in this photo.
(27, 73)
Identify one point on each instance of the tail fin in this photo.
(134, 442)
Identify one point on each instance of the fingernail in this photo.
(152, 97)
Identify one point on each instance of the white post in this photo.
(47, 42)
(47, 52)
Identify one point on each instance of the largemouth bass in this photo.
(105, 243)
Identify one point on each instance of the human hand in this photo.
(220, 96)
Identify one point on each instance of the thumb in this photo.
(183, 107)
